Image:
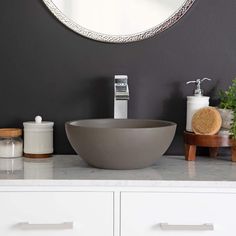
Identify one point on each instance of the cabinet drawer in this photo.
(178, 214)
(56, 213)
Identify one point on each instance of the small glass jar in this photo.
(11, 143)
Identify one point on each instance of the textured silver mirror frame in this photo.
(114, 38)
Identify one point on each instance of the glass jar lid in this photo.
(10, 132)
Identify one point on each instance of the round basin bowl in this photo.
(120, 143)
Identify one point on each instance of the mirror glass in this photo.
(118, 20)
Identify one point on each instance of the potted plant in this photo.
(227, 108)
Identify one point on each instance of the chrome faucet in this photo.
(121, 97)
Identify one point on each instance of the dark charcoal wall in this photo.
(47, 69)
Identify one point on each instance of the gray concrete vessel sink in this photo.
(120, 143)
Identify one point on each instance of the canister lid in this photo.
(38, 124)
(10, 132)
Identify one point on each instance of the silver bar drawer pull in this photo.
(202, 227)
(34, 226)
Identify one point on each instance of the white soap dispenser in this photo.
(195, 102)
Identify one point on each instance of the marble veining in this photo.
(167, 171)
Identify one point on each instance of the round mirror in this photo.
(118, 20)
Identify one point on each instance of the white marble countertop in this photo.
(167, 171)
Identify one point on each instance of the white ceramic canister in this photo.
(38, 138)
(194, 103)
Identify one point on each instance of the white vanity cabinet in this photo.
(173, 198)
(117, 211)
(177, 214)
(56, 213)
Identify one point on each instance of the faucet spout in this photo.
(121, 97)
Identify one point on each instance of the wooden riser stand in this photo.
(213, 142)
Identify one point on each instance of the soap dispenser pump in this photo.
(195, 102)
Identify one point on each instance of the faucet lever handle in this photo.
(121, 87)
(121, 79)
(121, 96)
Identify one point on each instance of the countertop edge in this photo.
(168, 172)
(118, 183)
